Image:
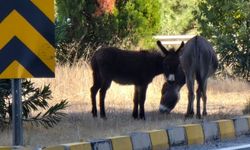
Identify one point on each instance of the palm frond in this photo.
(51, 117)
(33, 100)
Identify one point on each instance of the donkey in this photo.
(127, 68)
(197, 60)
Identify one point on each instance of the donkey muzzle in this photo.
(164, 109)
(171, 77)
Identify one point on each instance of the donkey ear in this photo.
(163, 49)
(180, 49)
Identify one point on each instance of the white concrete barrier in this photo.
(141, 141)
(176, 136)
(211, 131)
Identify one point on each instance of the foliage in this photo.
(177, 16)
(138, 18)
(105, 6)
(88, 24)
(81, 28)
(227, 25)
(33, 100)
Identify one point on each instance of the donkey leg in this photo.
(142, 98)
(190, 86)
(136, 98)
(103, 91)
(204, 98)
(94, 89)
(198, 96)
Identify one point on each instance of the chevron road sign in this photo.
(27, 39)
(26, 48)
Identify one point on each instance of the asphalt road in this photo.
(220, 145)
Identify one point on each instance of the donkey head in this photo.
(171, 61)
(170, 93)
(170, 97)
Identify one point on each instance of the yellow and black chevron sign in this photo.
(27, 38)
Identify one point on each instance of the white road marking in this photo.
(242, 147)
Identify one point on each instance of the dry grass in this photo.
(226, 99)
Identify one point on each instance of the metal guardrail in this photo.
(173, 39)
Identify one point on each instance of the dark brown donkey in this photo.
(125, 67)
(197, 60)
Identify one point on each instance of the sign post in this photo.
(17, 112)
(27, 39)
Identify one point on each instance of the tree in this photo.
(177, 16)
(138, 20)
(227, 25)
(33, 100)
(84, 25)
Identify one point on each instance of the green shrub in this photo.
(227, 25)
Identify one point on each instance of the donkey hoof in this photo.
(142, 117)
(135, 115)
(103, 115)
(204, 113)
(198, 116)
(94, 113)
